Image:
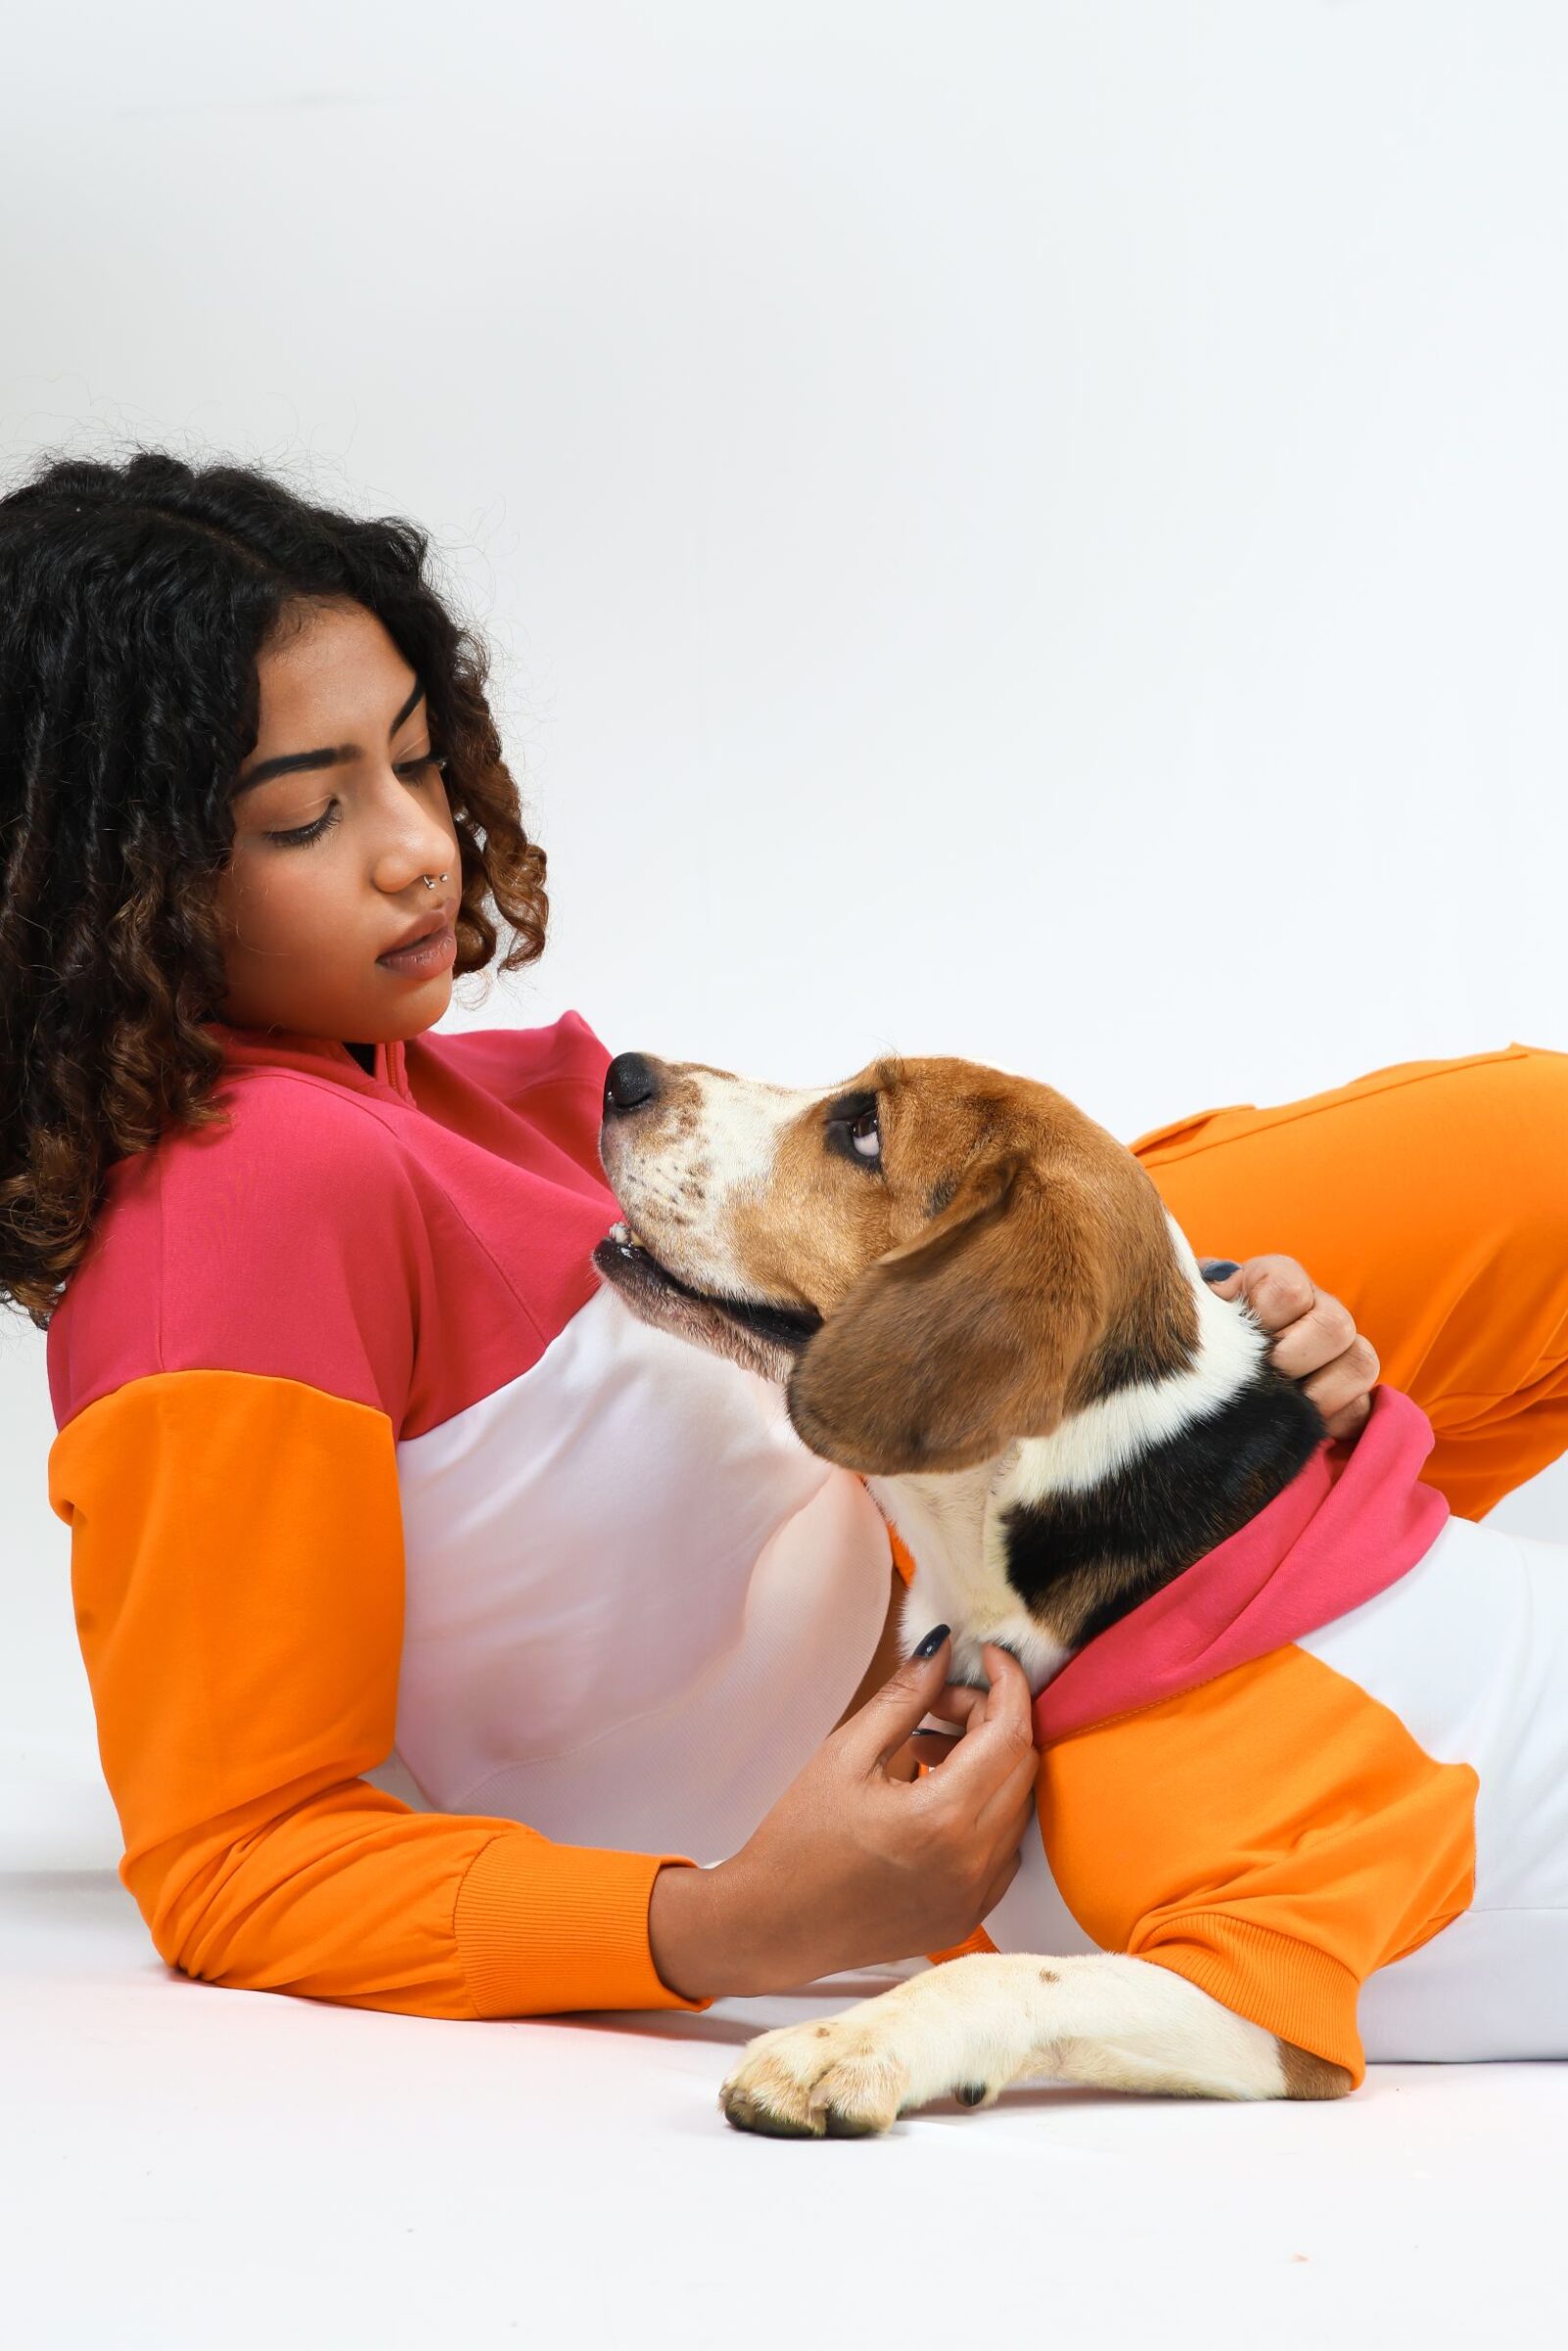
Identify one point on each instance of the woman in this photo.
(392, 1532)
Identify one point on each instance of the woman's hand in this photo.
(857, 1864)
(1314, 1337)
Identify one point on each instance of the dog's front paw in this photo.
(842, 2079)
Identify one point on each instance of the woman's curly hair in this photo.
(134, 599)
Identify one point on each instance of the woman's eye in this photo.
(308, 832)
(865, 1135)
(313, 832)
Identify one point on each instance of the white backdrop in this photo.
(1032, 531)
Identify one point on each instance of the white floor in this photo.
(180, 2163)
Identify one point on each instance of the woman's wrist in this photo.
(704, 1944)
(681, 1933)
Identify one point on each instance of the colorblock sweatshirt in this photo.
(429, 1600)
(1324, 1773)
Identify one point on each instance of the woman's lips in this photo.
(426, 955)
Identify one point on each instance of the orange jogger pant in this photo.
(1433, 1198)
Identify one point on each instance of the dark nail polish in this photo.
(1217, 1270)
(932, 1641)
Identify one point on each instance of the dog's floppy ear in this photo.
(950, 1346)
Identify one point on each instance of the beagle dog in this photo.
(1266, 1775)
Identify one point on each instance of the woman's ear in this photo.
(962, 1339)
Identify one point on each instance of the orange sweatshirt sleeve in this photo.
(1275, 1835)
(238, 1579)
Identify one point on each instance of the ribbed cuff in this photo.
(544, 1929)
(1291, 1988)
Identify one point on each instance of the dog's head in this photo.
(936, 1258)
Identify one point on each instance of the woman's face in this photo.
(305, 920)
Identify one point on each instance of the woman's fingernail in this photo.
(1217, 1270)
(932, 1641)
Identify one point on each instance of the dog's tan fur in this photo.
(1008, 1268)
(992, 1185)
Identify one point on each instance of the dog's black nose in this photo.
(631, 1081)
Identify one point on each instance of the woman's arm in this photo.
(237, 1574)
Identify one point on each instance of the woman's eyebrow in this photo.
(292, 762)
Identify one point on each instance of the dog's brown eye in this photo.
(851, 1128)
